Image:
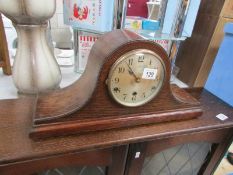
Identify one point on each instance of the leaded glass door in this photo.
(185, 154)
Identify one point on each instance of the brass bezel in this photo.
(125, 56)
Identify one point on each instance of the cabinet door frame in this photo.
(113, 158)
(220, 139)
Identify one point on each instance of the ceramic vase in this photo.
(35, 69)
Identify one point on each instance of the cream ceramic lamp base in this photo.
(35, 69)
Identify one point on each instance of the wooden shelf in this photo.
(21, 155)
(157, 35)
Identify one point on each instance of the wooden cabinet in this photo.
(182, 154)
(96, 158)
(121, 151)
(197, 54)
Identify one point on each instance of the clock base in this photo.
(187, 107)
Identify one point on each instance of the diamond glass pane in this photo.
(184, 159)
(75, 171)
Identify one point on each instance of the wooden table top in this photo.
(16, 120)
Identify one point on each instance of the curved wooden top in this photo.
(65, 101)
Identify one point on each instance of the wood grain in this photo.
(216, 137)
(193, 50)
(211, 52)
(91, 158)
(102, 56)
(16, 146)
(1, 63)
(4, 55)
(18, 151)
(119, 156)
(227, 10)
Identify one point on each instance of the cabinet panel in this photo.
(182, 159)
(192, 154)
(109, 161)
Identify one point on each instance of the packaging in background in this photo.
(85, 42)
(166, 44)
(133, 22)
(93, 15)
(139, 23)
(148, 24)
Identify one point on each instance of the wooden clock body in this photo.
(87, 106)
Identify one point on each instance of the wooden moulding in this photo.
(87, 106)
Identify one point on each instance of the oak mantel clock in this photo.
(126, 83)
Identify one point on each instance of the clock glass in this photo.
(136, 77)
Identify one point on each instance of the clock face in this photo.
(136, 77)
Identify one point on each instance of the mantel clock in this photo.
(126, 83)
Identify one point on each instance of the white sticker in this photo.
(222, 117)
(137, 155)
(149, 74)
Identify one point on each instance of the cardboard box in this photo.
(93, 15)
(133, 22)
(148, 24)
(166, 44)
(85, 42)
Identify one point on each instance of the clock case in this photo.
(87, 105)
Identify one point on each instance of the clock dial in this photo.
(136, 77)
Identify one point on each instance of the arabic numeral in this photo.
(117, 90)
(134, 98)
(121, 70)
(144, 94)
(116, 80)
(141, 58)
(124, 96)
(130, 61)
(150, 62)
(150, 74)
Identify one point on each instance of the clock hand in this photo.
(135, 76)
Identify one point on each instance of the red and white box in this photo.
(89, 15)
(166, 44)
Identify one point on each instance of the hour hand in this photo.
(131, 72)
